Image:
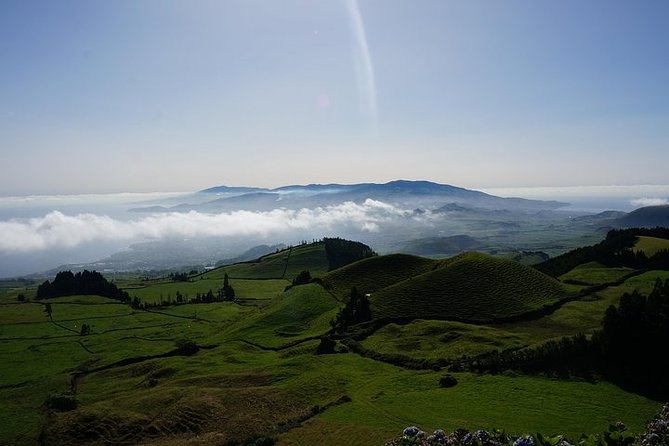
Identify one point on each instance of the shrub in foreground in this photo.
(655, 434)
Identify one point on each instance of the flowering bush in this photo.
(656, 434)
(657, 431)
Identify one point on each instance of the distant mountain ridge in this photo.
(645, 217)
(420, 193)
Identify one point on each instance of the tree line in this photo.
(226, 293)
(340, 252)
(67, 283)
(614, 250)
(628, 350)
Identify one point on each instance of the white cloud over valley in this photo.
(641, 202)
(57, 229)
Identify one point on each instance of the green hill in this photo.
(317, 257)
(374, 273)
(284, 264)
(301, 312)
(472, 287)
(645, 217)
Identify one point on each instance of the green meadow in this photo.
(256, 372)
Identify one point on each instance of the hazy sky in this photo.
(108, 96)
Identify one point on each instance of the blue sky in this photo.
(181, 95)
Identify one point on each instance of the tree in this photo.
(85, 330)
(135, 303)
(357, 310)
(228, 291)
(47, 309)
(303, 278)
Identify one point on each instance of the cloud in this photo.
(641, 202)
(56, 229)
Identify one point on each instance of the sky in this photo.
(150, 96)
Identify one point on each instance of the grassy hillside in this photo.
(594, 273)
(264, 278)
(256, 372)
(284, 264)
(473, 287)
(372, 274)
(303, 311)
(615, 250)
(650, 245)
(441, 339)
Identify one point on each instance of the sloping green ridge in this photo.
(284, 264)
(372, 274)
(471, 287)
(301, 312)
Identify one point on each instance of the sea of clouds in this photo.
(59, 230)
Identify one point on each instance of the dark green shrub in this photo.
(447, 381)
(303, 278)
(186, 347)
(326, 346)
(61, 402)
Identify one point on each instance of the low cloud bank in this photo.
(641, 202)
(56, 229)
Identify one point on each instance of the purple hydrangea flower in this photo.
(411, 431)
(439, 435)
(524, 441)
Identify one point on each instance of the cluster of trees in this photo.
(614, 250)
(226, 293)
(628, 350)
(302, 279)
(357, 310)
(178, 277)
(86, 282)
(340, 252)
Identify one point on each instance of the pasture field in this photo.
(165, 291)
(256, 372)
(593, 273)
(425, 339)
(650, 245)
